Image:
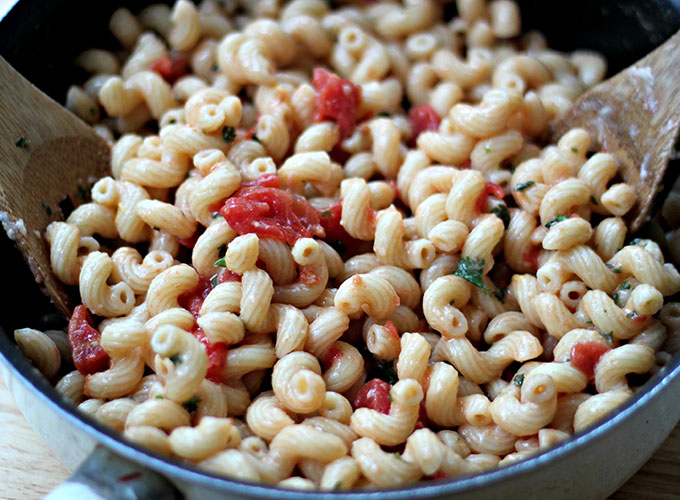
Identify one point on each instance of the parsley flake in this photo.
(228, 134)
(557, 219)
(501, 211)
(519, 379)
(593, 200)
(326, 214)
(82, 192)
(524, 185)
(220, 263)
(574, 150)
(487, 149)
(175, 358)
(500, 294)
(614, 269)
(47, 208)
(387, 372)
(159, 396)
(22, 142)
(609, 336)
(625, 286)
(470, 269)
(615, 297)
(215, 68)
(191, 404)
(384, 114)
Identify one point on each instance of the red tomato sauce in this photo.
(489, 189)
(170, 67)
(271, 212)
(586, 355)
(226, 275)
(88, 355)
(422, 118)
(375, 395)
(337, 100)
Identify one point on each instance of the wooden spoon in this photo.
(635, 116)
(48, 157)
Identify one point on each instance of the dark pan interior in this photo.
(40, 38)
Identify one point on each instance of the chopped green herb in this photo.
(387, 372)
(159, 396)
(501, 211)
(614, 269)
(524, 185)
(636, 241)
(172, 121)
(191, 404)
(625, 286)
(615, 297)
(453, 302)
(255, 138)
(593, 200)
(175, 358)
(220, 263)
(47, 208)
(93, 111)
(589, 322)
(228, 134)
(326, 214)
(609, 336)
(500, 294)
(156, 228)
(82, 192)
(215, 68)
(631, 315)
(384, 114)
(519, 379)
(22, 142)
(216, 215)
(339, 247)
(574, 150)
(557, 219)
(215, 281)
(398, 455)
(470, 269)
(487, 149)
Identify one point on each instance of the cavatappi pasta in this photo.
(333, 251)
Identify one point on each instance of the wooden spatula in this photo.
(635, 116)
(47, 155)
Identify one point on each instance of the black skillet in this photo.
(40, 38)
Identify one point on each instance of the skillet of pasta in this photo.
(335, 251)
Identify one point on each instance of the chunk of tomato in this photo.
(193, 301)
(586, 355)
(170, 67)
(375, 395)
(88, 355)
(489, 189)
(330, 221)
(422, 118)
(272, 213)
(337, 100)
(217, 356)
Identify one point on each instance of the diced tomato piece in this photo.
(374, 395)
(227, 275)
(337, 99)
(392, 330)
(422, 416)
(333, 355)
(422, 118)
(170, 67)
(586, 355)
(272, 213)
(439, 475)
(489, 189)
(466, 164)
(189, 242)
(88, 354)
(193, 300)
(330, 221)
(531, 257)
(266, 180)
(217, 356)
